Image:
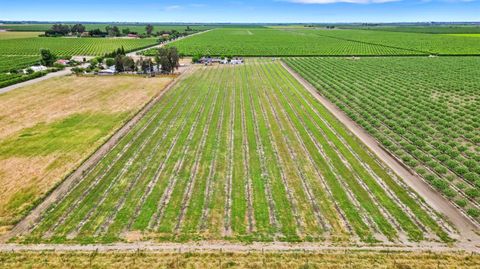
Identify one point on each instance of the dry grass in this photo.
(47, 129)
(15, 35)
(288, 260)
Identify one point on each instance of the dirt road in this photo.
(466, 228)
(208, 246)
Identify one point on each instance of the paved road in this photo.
(64, 72)
(467, 229)
(134, 53)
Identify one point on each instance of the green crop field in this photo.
(70, 46)
(313, 42)
(415, 42)
(273, 42)
(8, 63)
(424, 110)
(445, 29)
(241, 153)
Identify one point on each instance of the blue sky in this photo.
(241, 10)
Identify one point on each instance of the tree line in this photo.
(113, 31)
(166, 60)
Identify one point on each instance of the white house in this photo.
(35, 68)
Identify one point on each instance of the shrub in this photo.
(472, 192)
(440, 184)
(461, 202)
(449, 192)
(473, 212)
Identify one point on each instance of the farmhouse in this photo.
(62, 62)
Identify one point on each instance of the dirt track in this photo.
(208, 246)
(466, 228)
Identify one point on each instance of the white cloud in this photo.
(172, 7)
(341, 1)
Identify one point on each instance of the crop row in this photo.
(239, 153)
(424, 110)
(8, 63)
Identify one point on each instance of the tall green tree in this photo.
(168, 58)
(149, 29)
(126, 31)
(78, 28)
(48, 58)
(112, 31)
(119, 63)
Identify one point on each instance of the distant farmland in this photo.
(240, 153)
(310, 42)
(273, 42)
(70, 46)
(139, 28)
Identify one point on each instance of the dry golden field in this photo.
(47, 129)
(290, 260)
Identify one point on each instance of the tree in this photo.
(93, 62)
(157, 61)
(78, 28)
(149, 29)
(168, 58)
(58, 30)
(97, 32)
(119, 63)
(128, 64)
(109, 61)
(126, 31)
(48, 58)
(146, 65)
(124, 63)
(112, 31)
